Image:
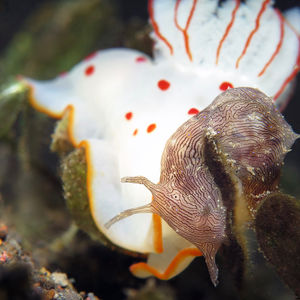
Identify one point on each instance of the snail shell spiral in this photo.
(229, 153)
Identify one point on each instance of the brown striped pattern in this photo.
(246, 136)
(253, 136)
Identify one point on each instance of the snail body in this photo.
(231, 151)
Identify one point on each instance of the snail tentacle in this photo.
(140, 180)
(129, 212)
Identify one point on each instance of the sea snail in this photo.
(120, 106)
(241, 137)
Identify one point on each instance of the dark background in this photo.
(14, 12)
(82, 265)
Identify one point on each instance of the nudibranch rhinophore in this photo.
(124, 105)
(239, 143)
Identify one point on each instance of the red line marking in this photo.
(228, 28)
(185, 29)
(90, 56)
(156, 27)
(292, 27)
(257, 23)
(278, 45)
(135, 132)
(292, 75)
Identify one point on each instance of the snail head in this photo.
(156, 191)
(202, 226)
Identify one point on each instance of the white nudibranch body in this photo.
(125, 105)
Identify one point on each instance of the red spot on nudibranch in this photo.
(63, 74)
(225, 85)
(89, 70)
(257, 24)
(128, 115)
(135, 132)
(163, 84)
(151, 127)
(141, 59)
(193, 111)
(90, 56)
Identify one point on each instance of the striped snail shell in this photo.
(228, 154)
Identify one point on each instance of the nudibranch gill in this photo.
(242, 136)
(123, 105)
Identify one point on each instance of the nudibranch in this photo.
(238, 142)
(123, 106)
